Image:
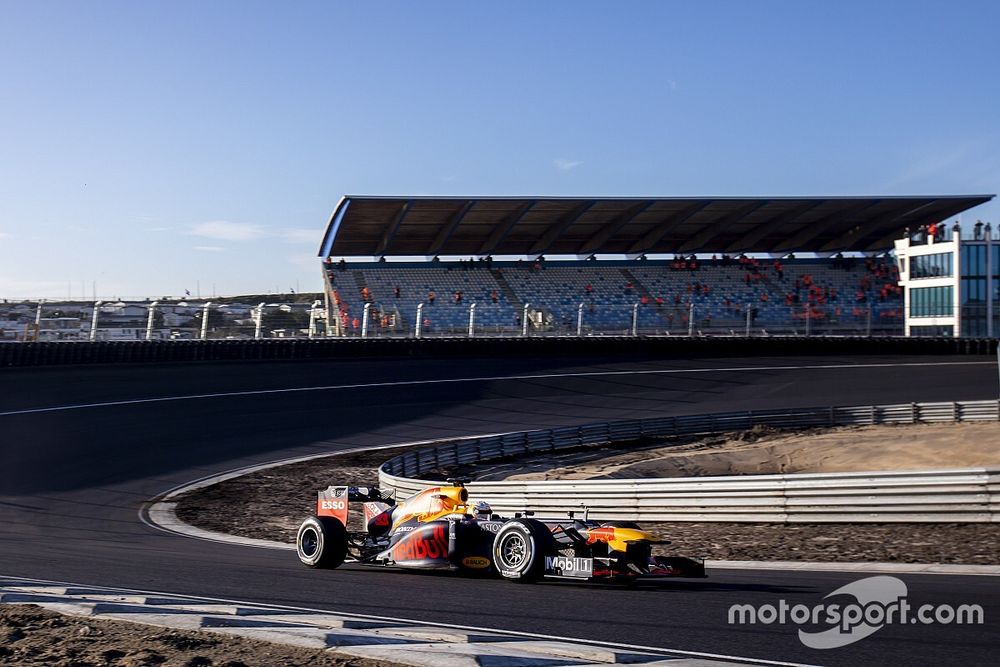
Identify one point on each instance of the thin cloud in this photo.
(209, 248)
(224, 230)
(301, 235)
(5, 235)
(564, 164)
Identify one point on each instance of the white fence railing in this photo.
(958, 495)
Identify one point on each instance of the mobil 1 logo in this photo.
(565, 566)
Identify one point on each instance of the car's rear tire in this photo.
(519, 550)
(321, 542)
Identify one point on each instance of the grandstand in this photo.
(728, 267)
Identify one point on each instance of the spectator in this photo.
(431, 296)
(494, 296)
(589, 289)
(458, 297)
(395, 291)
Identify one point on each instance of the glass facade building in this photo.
(952, 283)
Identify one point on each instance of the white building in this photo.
(951, 283)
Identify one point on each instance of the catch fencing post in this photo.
(691, 319)
(93, 321)
(38, 312)
(579, 324)
(472, 320)
(204, 320)
(808, 319)
(524, 321)
(149, 320)
(258, 320)
(748, 320)
(635, 319)
(364, 320)
(419, 324)
(313, 313)
(868, 328)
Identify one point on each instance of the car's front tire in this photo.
(321, 542)
(519, 550)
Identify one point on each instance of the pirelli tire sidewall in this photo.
(519, 550)
(321, 542)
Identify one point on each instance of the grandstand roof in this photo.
(477, 226)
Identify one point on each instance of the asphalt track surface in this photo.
(73, 480)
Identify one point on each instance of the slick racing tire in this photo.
(519, 550)
(321, 542)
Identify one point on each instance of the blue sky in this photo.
(153, 146)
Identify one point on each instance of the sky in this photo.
(147, 148)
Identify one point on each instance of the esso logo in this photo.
(332, 505)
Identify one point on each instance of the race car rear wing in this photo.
(333, 501)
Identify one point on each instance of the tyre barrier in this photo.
(950, 495)
(13, 354)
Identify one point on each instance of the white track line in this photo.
(488, 378)
(393, 619)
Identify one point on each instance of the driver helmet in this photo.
(481, 509)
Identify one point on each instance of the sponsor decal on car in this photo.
(491, 526)
(332, 505)
(565, 566)
(476, 562)
(423, 545)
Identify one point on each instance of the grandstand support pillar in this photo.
(38, 312)
(691, 319)
(419, 324)
(204, 319)
(808, 319)
(149, 320)
(258, 320)
(524, 320)
(579, 321)
(93, 321)
(748, 320)
(365, 317)
(313, 314)
(868, 325)
(635, 319)
(472, 320)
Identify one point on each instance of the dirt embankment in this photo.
(766, 451)
(30, 636)
(274, 501)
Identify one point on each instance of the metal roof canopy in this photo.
(477, 226)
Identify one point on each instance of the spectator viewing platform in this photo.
(714, 265)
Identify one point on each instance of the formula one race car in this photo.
(440, 529)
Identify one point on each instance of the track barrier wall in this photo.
(959, 495)
(124, 352)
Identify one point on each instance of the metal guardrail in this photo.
(957, 495)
